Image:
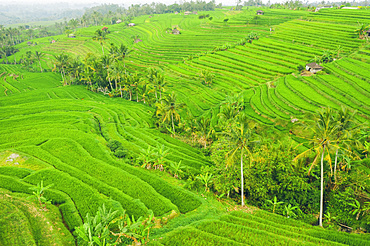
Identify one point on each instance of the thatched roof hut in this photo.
(260, 12)
(313, 67)
(175, 31)
(187, 13)
(131, 24)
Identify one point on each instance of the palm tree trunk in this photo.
(40, 66)
(322, 187)
(173, 125)
(242, 177)
(120, 90)
(335, 166)
(110, 83)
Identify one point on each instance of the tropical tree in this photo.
(206, 77)
(168, 109)
(361, 31)
(204, 128)
(61, 64)
(107, 62)
(324, 135)
(122, 52)
(240, 135)
(100, 37)
(347, 128)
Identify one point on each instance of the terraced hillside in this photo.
(59, 135)
(257, 227)
(22, 223)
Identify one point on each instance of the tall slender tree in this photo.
(100, 37)
(168, 109)
(38, 56)
(240, 136)
(323, 137)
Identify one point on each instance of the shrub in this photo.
(113, 145)
(120, 153)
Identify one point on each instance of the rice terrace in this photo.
(191, 123)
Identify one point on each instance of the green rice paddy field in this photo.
(59, 134)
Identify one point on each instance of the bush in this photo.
(120, 153)
(113, 145)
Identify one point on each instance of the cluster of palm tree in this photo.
(108, 74)
(361, 31)
(331, 132)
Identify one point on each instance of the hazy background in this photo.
(122, 2)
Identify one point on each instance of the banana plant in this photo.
(288, 211)
(206, 179)
(38, 194)
(274, 203)
(356, 208)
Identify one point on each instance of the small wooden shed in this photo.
(260, 12)
(313, 67)
(118, 21)
(131, 24)
(195, 12)
(71, 35)
(187, 13)
(176, 13)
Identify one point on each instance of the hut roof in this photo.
(119, 21)
(259, 11)
(131, 24)
(313, 65)
(175, 31)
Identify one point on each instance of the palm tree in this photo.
(122, 52)
(134, 81)
(160, 83)
(203, 126)
(168, 109)
(206, 77)
(347, 127)
(324, 135)
(239, 136)
(107, 62)
(361, 31)
(38, 56)
(61, 64)
(152, 79)
(100, 36)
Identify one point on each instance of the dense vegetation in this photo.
(139, 135)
